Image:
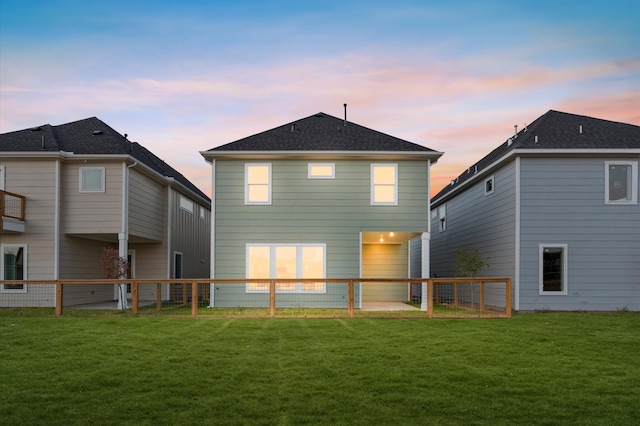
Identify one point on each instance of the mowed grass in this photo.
(544, 368)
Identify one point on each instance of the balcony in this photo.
(11, 212)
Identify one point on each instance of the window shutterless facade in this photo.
(257, 183)
(186, 204)
(384, 184)
(488, 185)
(322, 171)
(286, 261)
(553, 269)
(13, 266)
(92, 179)
(621, 182)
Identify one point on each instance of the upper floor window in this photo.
(257, 183)
(322, 171)
(384, 184)
(488, 185)
(621, 182)
(91, 179)
(13, 266)
(186, 204)
(442, 217)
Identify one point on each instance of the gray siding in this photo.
(476, 220)
(562, 201)
(190, 235)
(147, 207)
(329, 211)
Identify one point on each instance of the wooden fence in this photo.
(448, 297)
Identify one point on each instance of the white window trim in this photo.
(310, 175)
(186, 204)
(102, 177)
(175, 256)
(272, 261)
(26, 263)
(202, 213)
(246, 184)
(634, 181)
(395, 186)
(493, 185)
(442, 218)
(565, 270)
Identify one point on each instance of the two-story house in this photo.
(70, 190)
(555, 207)
(320, 197)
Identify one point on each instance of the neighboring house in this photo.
(555, 208)
(70, 190)
(320, 197)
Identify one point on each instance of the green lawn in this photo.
(543, 368)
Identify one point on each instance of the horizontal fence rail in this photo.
(322, 297)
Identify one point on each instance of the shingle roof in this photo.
(321, 132)
(88, 136)
(556, 130)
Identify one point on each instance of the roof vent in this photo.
(97, 132)
(581, 129)
(509, 141)
(476, 170)
(36, 129)
(453, 182)
(345, 115)
(535, 139)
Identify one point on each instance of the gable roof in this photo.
(553, 133)
(320, 134)
(90, 136)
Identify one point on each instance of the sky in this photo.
(181, 77)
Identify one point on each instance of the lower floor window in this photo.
(553, 268)
(286, 261)
(14, 266)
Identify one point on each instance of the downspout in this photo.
(56, 225)
(425, 243)
(516, 278)
(212, 256)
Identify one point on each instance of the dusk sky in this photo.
(181, 77)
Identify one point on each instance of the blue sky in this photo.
(182, 77)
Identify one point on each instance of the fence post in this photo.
(158, 297)
(59, 293)
(134, 297)
(194, 299)
(508, 297)
(351, 298)
(455, 294)
(481, 296)
(429, 297)
(272, 298)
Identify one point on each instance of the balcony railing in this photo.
(11, 207)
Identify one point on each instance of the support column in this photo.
(123, 248)
(426, 248)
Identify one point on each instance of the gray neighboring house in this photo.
(69, 190)
(319, 197)
(555, 208)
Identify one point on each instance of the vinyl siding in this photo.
(385, 261)
(474, 220)
(91, 213)
(328, 211)
(190, 235)
(39, 190)
(147, 207)
(562, 201)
